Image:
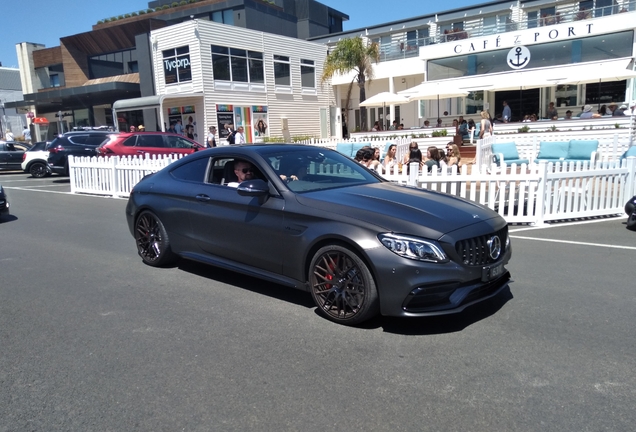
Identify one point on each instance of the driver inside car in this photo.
(244, 171)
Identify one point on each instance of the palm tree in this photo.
(356, 55)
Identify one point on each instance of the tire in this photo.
(153, 244)
(39, 170)
(354, 297)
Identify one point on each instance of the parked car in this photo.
(313, 219)
(82, 143)
(34, 160)
(4, 202)
(147, 143)
(11, 154)
(630, 211)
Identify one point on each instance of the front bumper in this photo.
(414, 288)
(4, 205)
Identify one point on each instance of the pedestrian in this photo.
(211, 140)
(26, 134)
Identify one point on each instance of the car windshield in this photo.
(313, 169)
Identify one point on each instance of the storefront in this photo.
(208, 74)
(570, 64)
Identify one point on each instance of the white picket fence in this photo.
(113, 176)
(532, 194)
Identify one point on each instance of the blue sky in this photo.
(46, 21)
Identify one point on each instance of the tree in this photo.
(355, 54)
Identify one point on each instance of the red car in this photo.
(143, 143)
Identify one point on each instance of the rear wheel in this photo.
(342, 286)
(39, 170)
(152, 240)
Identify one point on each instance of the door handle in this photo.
(202, 198)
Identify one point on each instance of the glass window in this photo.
(217, 16)
(566, 95)
(307, 73)
(533, 19)
(131, 142)
(605, 93)
(239, 69)
(176, 65)
(232, 64)
(604, 7)
(55, 80)
(228, 17)
(282, 74)
(475, 102)
(177, 142)
(194, 171)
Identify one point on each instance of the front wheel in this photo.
(153, 244)
(39, 170)
(342, 286)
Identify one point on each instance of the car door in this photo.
(243, 229)
(12, 156)
(152, 144)
(3, 155)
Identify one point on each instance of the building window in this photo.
(237, 65)
(475, 102)
(307, 73)
(55, 80)
(223, 17)
(176, 65)
(282, 75)
(112, 64)
(605, 93)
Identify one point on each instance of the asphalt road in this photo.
(91, 339)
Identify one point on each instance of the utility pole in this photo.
(3, 122)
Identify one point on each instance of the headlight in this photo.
(413, 248)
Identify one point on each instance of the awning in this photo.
(581, 73)
(146, 102)
(610, 70)
(149, 102)
(434, 90)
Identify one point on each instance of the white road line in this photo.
(36, 190)
(562, 224)
(575, 243)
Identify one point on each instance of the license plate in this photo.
(490, 273)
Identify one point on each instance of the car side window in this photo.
(148, 140)
(131, 142)
(2, 147)
(194, 171)
(10, 147)
(178, 142)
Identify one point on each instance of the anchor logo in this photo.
(518, 57)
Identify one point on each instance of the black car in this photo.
(82, 143)
(4, 202)
(11, 154)
(313, 219)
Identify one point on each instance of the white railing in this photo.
(533, 194)
(113, 176)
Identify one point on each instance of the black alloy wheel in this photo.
(342, 286)
(152, 240)
(39, 170)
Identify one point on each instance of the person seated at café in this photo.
(602, 111)
(473, 128)
(587, 112)
(376, 127)
(568, 115)
(243, 170)
(552, 113)
(433, 158)
(439, 122)
(526, 119)
(394, 125)
(427, 124)
(414, 154)
(442, 157)
(401, 126)
(620, 112)
(390, 160)
(452, 154)
(463, 130)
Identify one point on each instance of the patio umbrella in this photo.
(384, 98)
(432, 91)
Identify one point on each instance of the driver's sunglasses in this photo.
(246, 170)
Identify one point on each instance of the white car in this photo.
(34, 160)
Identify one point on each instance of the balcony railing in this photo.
(410, 47)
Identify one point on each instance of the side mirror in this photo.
(256, 187)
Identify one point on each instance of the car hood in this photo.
(400, 209)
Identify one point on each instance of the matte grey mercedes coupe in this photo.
(313, 219)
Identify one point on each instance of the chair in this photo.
(228, 173)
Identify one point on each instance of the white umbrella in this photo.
(384, 98)
(432, 91)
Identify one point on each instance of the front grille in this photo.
(474, 251)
